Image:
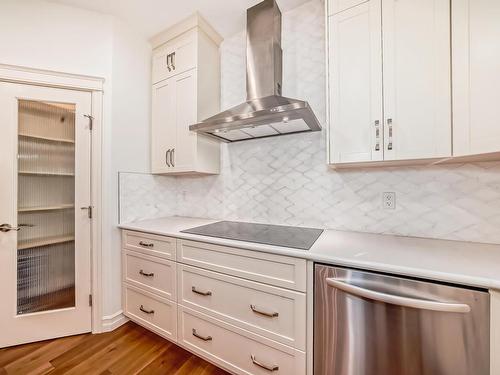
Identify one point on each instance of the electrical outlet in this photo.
(389, 200)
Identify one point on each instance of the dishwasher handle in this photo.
(398, 300)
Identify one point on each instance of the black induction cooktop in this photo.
(275, 235)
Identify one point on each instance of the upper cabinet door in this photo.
(476, 76)
(184, 153)
(355, 84)
(417, 82)
(175, 57)
(164, 129)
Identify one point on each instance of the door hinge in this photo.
(91, 121)
(90, 299)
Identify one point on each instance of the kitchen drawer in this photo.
(236, 349)
(271, 269)
(182, 54)
(276, 313)
(153, 274)
(337, 6)
(151, 311)
(149, 244)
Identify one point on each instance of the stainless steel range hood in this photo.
(265, 113)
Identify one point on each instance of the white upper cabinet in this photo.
(398, 50)
(355, 54)
(476, 76)
(176, 56)
(186, 90)
(417, 79)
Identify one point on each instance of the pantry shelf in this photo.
(46, 208)
(28, 244)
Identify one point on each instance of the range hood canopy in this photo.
(265, 113)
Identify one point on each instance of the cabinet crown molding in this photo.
(191, 22)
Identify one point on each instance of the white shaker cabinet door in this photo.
(164, 131)
(417, 79)
(185, 91)
(355, 84)
(476, 76)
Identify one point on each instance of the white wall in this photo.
(50, 36)
(129, 137)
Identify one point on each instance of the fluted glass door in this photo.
(45, 241)
(45, 206)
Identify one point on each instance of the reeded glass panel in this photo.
(46, 196)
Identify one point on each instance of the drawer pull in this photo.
(146, 274)
(265, 367)
(265, 313)
(146, 244)
(204, 338)
(146, 311)
(207, 293)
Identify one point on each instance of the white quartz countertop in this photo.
(465, 263)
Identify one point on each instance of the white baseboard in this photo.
(112, 322)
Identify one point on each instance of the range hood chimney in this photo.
(265, 113)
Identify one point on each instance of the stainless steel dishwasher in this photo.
(373, 324)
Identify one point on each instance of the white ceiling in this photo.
(152, 16)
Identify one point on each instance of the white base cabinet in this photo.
(186, 90)
(243, 310)
(238, 350)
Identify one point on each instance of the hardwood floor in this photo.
(129, 349)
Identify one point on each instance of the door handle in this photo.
(168, 62)
(256, 310)
(8, 228)
(398, 300)
(270, 368)
(204, 338)
(167, 157)
(146, 311)
(377, 135)
(207, 293)
(173, 60)
(172, 157)
(389, 124)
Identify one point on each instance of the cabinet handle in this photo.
(204, 338)
(207, 293)
(377, 135)
(173, 60)
(172, 157)
(146, 311)
(141, 272)
(146, 244)
(270, 368)
(268, 314)
(389, 124)
(168, 62)
(167, 157)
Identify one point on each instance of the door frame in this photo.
(95, 86)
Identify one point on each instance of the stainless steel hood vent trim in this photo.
(265, 113)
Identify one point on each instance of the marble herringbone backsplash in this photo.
(285, 180)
